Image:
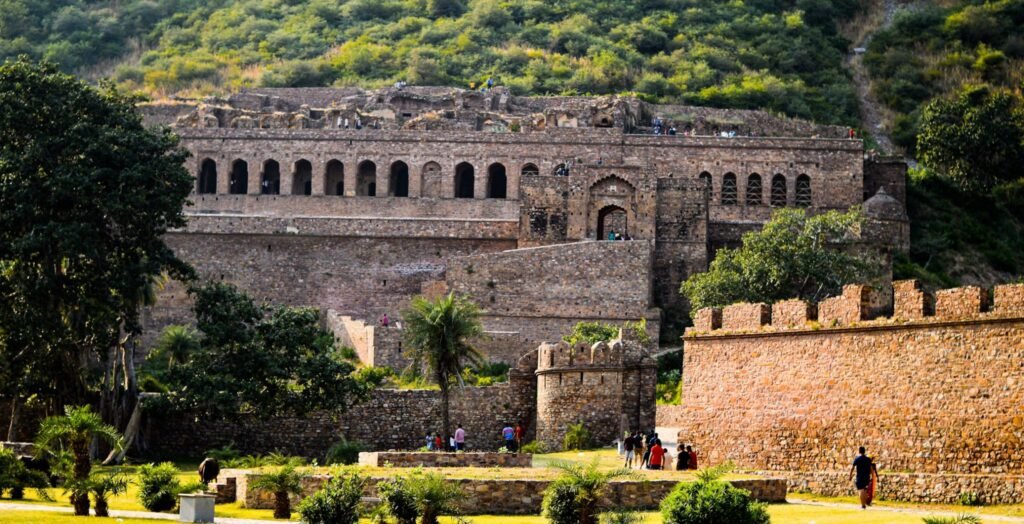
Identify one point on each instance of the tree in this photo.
(976, 138)
(438, 334)
(66, 439)
(446, 8)
(282, 482)
(575, 496)
(711, 500)
(87, 193)
(175, 345)
(794, 255)
(256, 359)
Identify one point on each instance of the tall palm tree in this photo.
(175, 344)
(438, 334)
(67, 439)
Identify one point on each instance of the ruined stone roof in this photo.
(883, 206)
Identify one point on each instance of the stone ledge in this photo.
(412, 459)
(935, 488)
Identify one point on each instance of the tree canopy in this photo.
(252, 358)
(782, 55)
(794, 256)
(86, 195)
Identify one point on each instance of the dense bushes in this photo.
(423, 495)
(711, 501)
(158, 486)
(335, 503)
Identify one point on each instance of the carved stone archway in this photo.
(605, 196)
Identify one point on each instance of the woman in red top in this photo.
(693, 457)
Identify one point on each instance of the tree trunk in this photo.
(282, 507)
(445, 422)
(81, 503)
(101, 507)
(130, 433)
(12, 428)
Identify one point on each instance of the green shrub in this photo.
(621, 516)
(223, 454)
(335, 503)
(434, 496)
(398, 500)
(711, 502)
(574, 497)
(560, 503)
(533, 447)
(576, 437)
(958, 519)
(592, 333)
(14, 476)
(343, 452)
(158, 486)
(969, 498)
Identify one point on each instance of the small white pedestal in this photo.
(196, 507)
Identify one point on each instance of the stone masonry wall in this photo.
(389, 419)
(932, 395)
(412, 459)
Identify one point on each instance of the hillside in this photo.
(781, 55)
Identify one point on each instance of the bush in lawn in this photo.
(398, 500)
(15, 476)
(103, 487)
(343, 452)
(336, 503)
(711, 500)
(575, 496)
(158, 486)
(576, 437)
(282, 482)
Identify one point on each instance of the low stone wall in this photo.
(522, 497)
(412, 459)
(912, 487)
(19, 448)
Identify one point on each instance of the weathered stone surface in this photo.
(792, 313)
(960, 302)
(909, 302)
(1009, 299)
(708, 319)
(847, 309)
(745, 317)
(929, 488)
(412, 459)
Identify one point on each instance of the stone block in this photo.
(1009, 299)
(792, 313)
(196, 507)
(960, 302)
(909, 302)
(746, 317)
(847, 309)
(708, 319)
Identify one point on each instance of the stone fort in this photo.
(355, 201)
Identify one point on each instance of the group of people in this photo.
(652, 455)
(612, 235)
(513, 437)
(452, 443)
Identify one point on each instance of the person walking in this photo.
(866, 473)
(657, 455)
(518, 436)
(460, 439)
(629, 445)
(509, 435)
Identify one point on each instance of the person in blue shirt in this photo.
(509, 435)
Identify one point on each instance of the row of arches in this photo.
(778, 195)
(365, 179)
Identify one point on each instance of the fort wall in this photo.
(925, 394)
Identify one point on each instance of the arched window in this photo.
(271, 183)
(302, 178)
(561, 170)
(754, 193)
(497, 182)
(399, 180)
(611, 220)
(366, 179)
(239, 183)
(729, 190)
(208, 177)
(803, 191)
(779, 190)
(334, 178)
(464, 180)
(529, 170)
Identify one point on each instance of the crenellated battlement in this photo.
(562, 355)
(911, 304)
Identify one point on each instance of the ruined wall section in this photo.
(925, 394)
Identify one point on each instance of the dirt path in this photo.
(871, 113)
(14, 506)
(910, 511)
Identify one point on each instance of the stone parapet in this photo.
(961, 302)
(1009, 299)
(792, 313)
(909, 302)
(708, 319)
(742, 317)
(412, 459)
(847, 309)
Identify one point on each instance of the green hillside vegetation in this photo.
(932, 51)
(780, 55)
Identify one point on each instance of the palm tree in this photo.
(438, 334)
(175, 344)
(283, 482)
(575, 496)
(67, 439)
(102, 487)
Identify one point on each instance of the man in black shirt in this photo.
(629, 445)
(864, 467)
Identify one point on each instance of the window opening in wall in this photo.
(754, 197)
(399, 186)
(385, 282)
(803, 191)
(497, 182)
(729, 190)
(464, 180)
(335, 178)
(371, 190)
(271, 183)
(239, 184)
(366, 179)
(705, 180)
(530, 170)
(208, 177)
(779, 191)
(302, 178)
(612, 220)
(581, 377)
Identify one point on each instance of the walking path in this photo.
(13, 506)
(871, 113)
(909, 511)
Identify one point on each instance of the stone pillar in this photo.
(415, 181)
(349, 176)
(287, 176)
(383, 179)
(196, 507)
(479, 181)
(223, 175)
(319, 176)
(255, 176)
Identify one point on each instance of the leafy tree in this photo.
(794, 255)
(252, 358)
(438, 334)
(575, 496)
(282, 482)
(88, 193)
(592, 333)
(975, 138)
(66, 439)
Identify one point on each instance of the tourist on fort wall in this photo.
(509, 436)
(611, 235)
(867, 477)
(460, 439)
(384, 320)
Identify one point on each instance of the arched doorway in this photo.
(271, 183)
(611, 219)
(302, 178)
(366, 179)
(464, 180)
(334, 179)
(399, 181)
(208, 177)
(497, 182)
(239, 184)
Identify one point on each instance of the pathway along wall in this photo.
(938, 396)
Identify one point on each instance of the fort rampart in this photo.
(935, 395)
